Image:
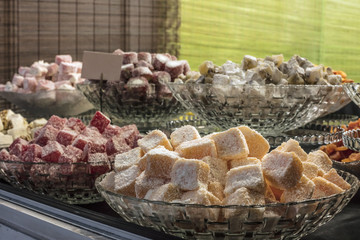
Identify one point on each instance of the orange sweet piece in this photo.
(340, 149)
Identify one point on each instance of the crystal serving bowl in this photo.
(351, 139)
(353, 91)
(334, 119)
(269, 109)
(73, 183)
(64, 103)
(147, 109)
(271, 221)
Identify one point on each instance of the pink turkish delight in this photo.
(23, 71)
(66, 137)
(71, 155)
(32, 152)
(56, 122)
(45, 85)
(63, 58)
(30, 83)
(98, 163)
(75, 124)
(39, 69)
(18, 80)
(80, 142)
(118, 52)
(52, 151)
(131, 134)
(18, 150)
(52, 69)
(116, 144)
(100, 121)
(142, 72)
(130, 57)
(78, 65)
(160, 62)
(67, 68)
(47, 133)
(18, 141)
(111, 131)
(4, 155)
(144, 56)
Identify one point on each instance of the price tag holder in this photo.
(99, 65)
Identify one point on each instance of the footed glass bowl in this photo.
(64, 103)
(269, 109)
(193, 221)
(71, 183)
(148, 109)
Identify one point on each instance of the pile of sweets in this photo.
(43, 76)
(13, 126)
(338, 152)
(224, 168)
(139, 70)
(270, 70)
(64, 140)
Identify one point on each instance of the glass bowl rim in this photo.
(354, 186)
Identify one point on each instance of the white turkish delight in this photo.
(313, 74)
(52, 69)
(230, 68)
(334, 79)
(39, 68)
(248, 62)
(45, 85)
(30, 83)
(67, 68)
(23, 70)
(221, 79)
(253, 77)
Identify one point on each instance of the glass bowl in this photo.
(351, 139)
(271, 221)
(71, 183)
(269, 109)
(353, 91)
(334, 119)
(64, 103)
(147, 109)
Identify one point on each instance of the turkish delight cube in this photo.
(130, 57)
(80, 142)
(324, 188)
(321, 159)
(108, 182)
(257, 144)
(335, 178)
(144, 183)
(230, 144)
(249, 176)
(56, 122)
(52, 151)
(30, 83)
(125, 181)
(243, 162)
(127, 159)
(20, 141)
(153, 139)
(145, 56)
(45, 134)
(131, 134)
(18, 150)
(190, 174)
(167, 192)
(100, 121)
(98, 163)
(116, 144)
(63, 58)
(71, 155)
(142, 72)
(91, 148)
(293, 146)
(216, 188)
(218, 169)
(183, 134)
(160, 61)
(282, 170)
(159, 162)
(302, 191)
(32, 152)
(111, 131)
(197, 149)
(75, 124)
(311, 170)
(66, 137)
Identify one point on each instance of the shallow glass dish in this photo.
(269, 109)
(147, 109)
(353, 91)
(70, 183)
(193, 221)
(64, 103)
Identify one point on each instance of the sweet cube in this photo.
(335, 178)
(159, 162)
(311, 170)
(98, 163)
(116, 144)
(190, 174)
(127, 159)
(80, 141)
(293, 146)
(197, 149)
(167, 192)
(52, 151)
(66, 137)
(75, 124)
(257, 144)
(302, 191)
(321, 159)
(154, 139)
(144, 183)
(108, 182)
(218, 169)
(71, 155)
(183, 134)
(100, 121)
(45, 134)
(243, 161)
(125, 180)
(324, 188)
(32, 151)
(56, 122)
(217, 189)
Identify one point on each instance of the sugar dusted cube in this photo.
(75, 124)
(20, 141)
(100, 121)
(217, 189)
(282, 170)
(183, 134)
(130, 57)
(98, 163)
(56, 122)
(167, 192)
(293, 146)
(125, 181)
(244, 161)
(45, 134)
(321, 159)
(90, 148)
(197, 149)
(190, 174)
(52, 151)
(311, 170)
(108, 182)
(128, 159)
(115, 145)
(80, 142)
(335, 178)
(269, 195)
(131, 134)
(144, 183)
(218, 169)
(257, 144)
(111, 131)
(32, 151)
(63, 58)
(71, 155)
(324, 188)
(231, 144)
(159, 162)
(302, 191)
(200, 196)
(153, 139)
(66, 137)
(18, 150)
(249, 176)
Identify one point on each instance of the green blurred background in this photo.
(323, 31)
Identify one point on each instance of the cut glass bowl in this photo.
(73, 183)
(147, 110)
(269, 109)
(194, 221)
(353, 91)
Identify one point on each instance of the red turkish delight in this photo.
(47, 133)
(4, 155)
(56, 122)
(160, 61)
(143, 63)
(136, 88)
(18, 150)
(98, 163)
(130, 57)
(142, 72)
(116, 144)
(126, 71)
(100, 121)
(52, 151)
(66, 137)
(39, 169)
(92, 147)
(75, 124)
(144, 56)
(186, 67)
(71, 155)
(80, 141)
(174, 68)
(131, 134)
(32, 152)
(63, 58)
(18, 141)
(111, 131)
